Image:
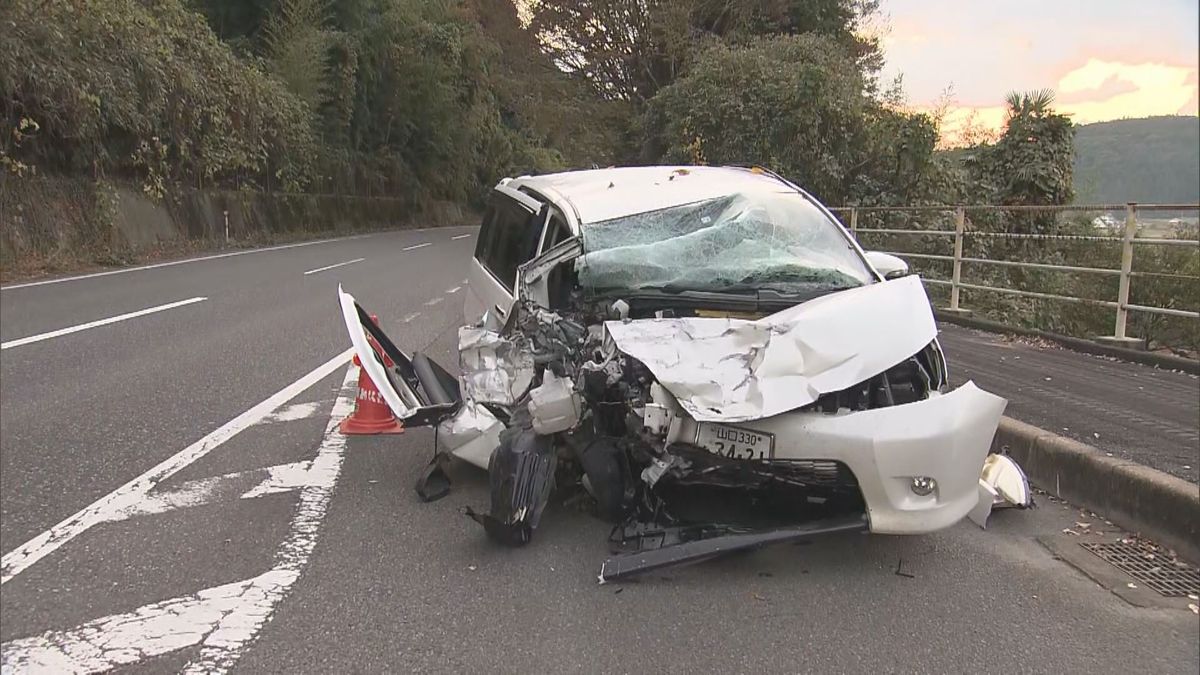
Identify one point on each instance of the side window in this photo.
(508, 237)
(487, 234)
(556, 232)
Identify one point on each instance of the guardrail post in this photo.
(960, 221)
(1119, 338)
(854, 222)
(1126, 267)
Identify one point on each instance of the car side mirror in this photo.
(888, 265)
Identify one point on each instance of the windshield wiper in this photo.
(675, 289)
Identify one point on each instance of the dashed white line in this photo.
(16, 561)
(141, 268)
(410, 317)
(460, 236)
(99, 322)
(416, 246)
(329, 267)
(433, 301)
(453, 290)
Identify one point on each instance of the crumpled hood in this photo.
(731, 370)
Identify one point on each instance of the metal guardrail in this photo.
(961, 232)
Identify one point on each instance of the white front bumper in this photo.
(945, 437)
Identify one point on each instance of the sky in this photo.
(1105, 59)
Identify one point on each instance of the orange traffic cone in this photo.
(371, 413)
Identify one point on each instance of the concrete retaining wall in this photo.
(71, 218)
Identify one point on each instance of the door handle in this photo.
(500, 310)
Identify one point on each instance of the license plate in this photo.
(735, 442)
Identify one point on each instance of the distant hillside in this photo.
(1150, 160)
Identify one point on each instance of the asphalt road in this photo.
(1137, 412)
(328, 562)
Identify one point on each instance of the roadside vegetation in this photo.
(427, 101)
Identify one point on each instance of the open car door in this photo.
(418, 390)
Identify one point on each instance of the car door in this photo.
(509, 236)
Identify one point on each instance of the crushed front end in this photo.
(696, 432)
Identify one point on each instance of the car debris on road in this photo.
(709, 355)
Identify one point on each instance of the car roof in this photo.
(601, 194)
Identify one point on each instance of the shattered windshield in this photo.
(740, 242)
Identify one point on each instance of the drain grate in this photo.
(1165, 577)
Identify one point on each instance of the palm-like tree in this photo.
(1031, 103)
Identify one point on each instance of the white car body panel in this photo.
(729, 370)
(945, 437)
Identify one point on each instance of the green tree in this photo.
(1033, 160)
(629, 49)
(143, 88)
(800, 105)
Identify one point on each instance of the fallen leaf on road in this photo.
(1096, 434)
(1131, 585)
(1194, 608)
(1082, 525)
(471, 567)
(759, 597)
(1068, 530)
(1193, 596)
(1047, 379)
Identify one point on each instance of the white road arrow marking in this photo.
(223, 620)
(128, 495)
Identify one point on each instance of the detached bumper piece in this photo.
(702, 543)
(521, 473)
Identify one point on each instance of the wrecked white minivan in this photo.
(709, 354)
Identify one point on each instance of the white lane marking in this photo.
(296, 411)
(235, 631)
(454, 290)
(224, 619)
(148, 631)
(433, 301)
(410, 317)
(99, 322)
(172, 263)
(20, 558)
(282, 478)
(231, 486)
(329, 267)
(416, 246)
(461, 236)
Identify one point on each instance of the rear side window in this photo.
(508, 237)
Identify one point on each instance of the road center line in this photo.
(459, 236)
(416, 246)
(100, 322)
(329, 267)
(185, 261)
(16, 561)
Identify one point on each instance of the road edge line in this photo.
(1134, 496)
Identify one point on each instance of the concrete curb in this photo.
(1135, 497)
(1167, 361)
